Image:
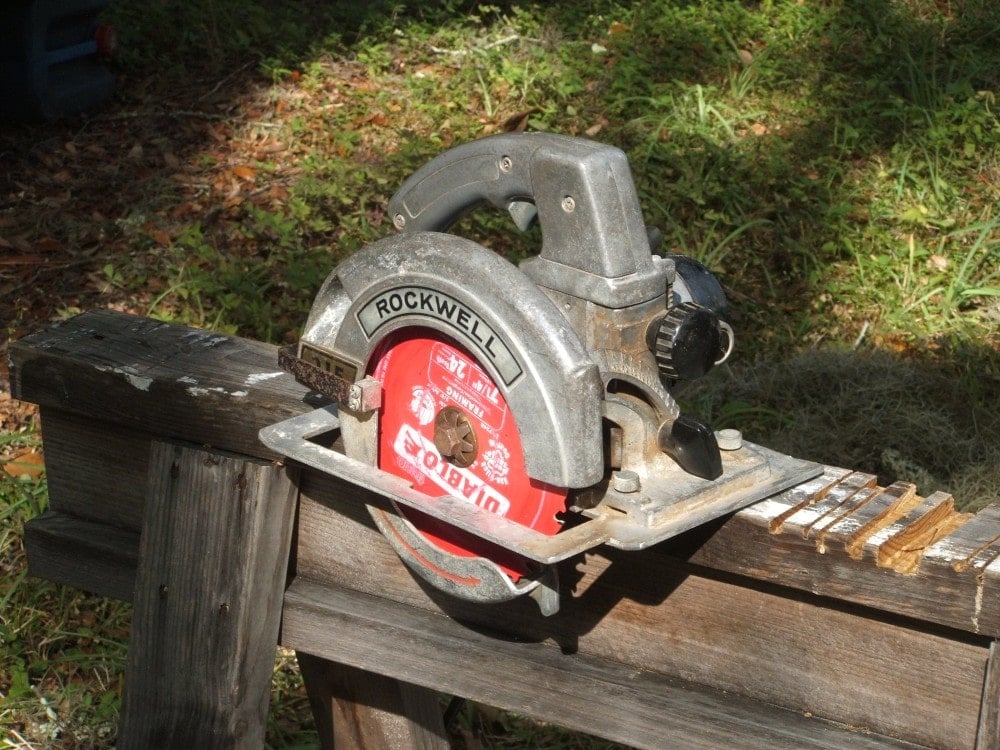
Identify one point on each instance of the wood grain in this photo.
(212, 564)
(368, 711)
(828, 598)
(96, 470)
(94, 364)
(622, 703)
(862, 544)
(168, 380)
(91, 556)
(988, 734)
(649, 611)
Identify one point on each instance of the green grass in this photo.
(837, 164)
(61, 653)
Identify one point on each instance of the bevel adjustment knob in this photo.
(687, 342)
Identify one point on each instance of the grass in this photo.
(837, 164)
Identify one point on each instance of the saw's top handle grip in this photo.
(594, 240)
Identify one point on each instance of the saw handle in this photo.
(493, 170)
(582, 192)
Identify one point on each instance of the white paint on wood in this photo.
(769, 509)
(138, 381)
(197, 391)
(205, 338)
(131, 375)
(949, 551)
(766, 510)
(259, 377)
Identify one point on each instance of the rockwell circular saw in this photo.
(515, 416)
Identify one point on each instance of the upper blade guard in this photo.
(470, 295)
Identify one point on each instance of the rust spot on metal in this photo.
(329, 383)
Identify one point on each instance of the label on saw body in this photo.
(420, 377)
(430, 303)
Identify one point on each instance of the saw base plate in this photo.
(750, 474)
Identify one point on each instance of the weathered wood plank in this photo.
(365, 710)
(804, 516)
(156, 380)
(902, 545)
(96, 471)
(648, 611)
(163, 379)
(579, 691)
(975, 545)
(809, 493)
(238, 389)
(828, 513)
(90, 556)
(853, 528)
(212, 565)
(988, 735)
(777, 540)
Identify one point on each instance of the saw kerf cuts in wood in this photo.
(515, 416)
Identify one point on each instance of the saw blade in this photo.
(446, 427)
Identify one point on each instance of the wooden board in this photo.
(176, 382)
(354, 708)
(988, 736)
(651, 612)
(622, 703)
(90, 556)
(211, 572)
(841, 536)
(96, 470)
(134, 373)
(762, 604)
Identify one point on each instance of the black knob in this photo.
(688, 342)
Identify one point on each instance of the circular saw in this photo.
(513, 416)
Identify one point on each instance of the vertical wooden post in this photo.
(212, 566)
(988, 734)
(358, 710)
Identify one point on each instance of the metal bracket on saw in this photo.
(682, 501)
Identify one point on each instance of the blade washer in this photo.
(454, 436)
(438, 400)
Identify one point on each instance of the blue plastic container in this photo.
(52, 56)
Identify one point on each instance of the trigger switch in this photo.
(523, 213)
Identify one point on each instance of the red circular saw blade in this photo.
(422, 373)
